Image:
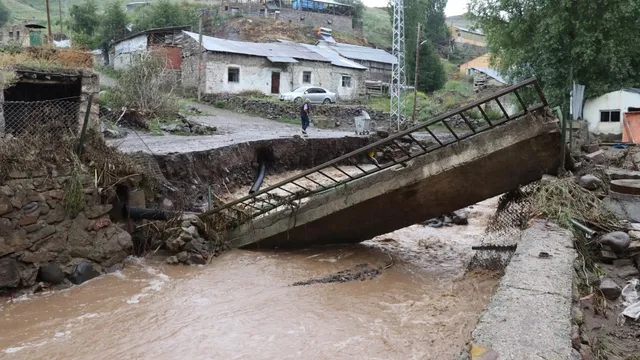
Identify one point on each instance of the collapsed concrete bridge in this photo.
(406, 178)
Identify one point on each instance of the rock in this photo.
(577, 315)
(597, 157)
(30, 207)
(183, 256)
(84, 271)
(167, 204)
(610, 289)
(586, 353)
(590, 182)
(618, 241)
(461, 217)
(575, 337)
(197, 259)
(29, 219)
(5, 226)
(607, 256)
(591, 148)
(100, 223)
(447, 220)
(57, 215)
(622, 263)
(56, 194)
(9, 276)
(175, 245)
(97, 211)
(634, 247)
(192, 230)
(170, 127)
(172, 260)
(575, 355)
(6, 191)
(51, 273)
(114, 268)
(5, 205)
(44, 209)
(382, 132)
(38, 257)
(627, 272)
(28, 274)
(634, 234)
(43, 233)
(14, 241)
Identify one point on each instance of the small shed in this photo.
(605, 113)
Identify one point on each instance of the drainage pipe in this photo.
(259, 177)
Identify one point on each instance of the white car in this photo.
(317, 95)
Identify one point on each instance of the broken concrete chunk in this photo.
(618, 241)
(590, 182)
(597, 157)
(627, 272)
(610, 289)
(607, 256)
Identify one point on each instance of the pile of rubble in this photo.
(188, 243)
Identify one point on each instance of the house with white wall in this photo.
(164, 41)
(269, 68)
(604, 114)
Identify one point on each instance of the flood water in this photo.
(242, 306)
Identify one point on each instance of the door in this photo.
(275, 82)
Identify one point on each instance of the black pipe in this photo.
(260, 177)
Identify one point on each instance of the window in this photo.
(610, 115)
(346, 81)
(17, 35)
(316, 91)
(233, 75)
(306, 77)
(11, 35)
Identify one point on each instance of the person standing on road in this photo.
(304, 115)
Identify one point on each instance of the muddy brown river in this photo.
(420, 305)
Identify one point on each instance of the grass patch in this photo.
(377, 26)
(289, 120)
(108, 71)
(155, 128)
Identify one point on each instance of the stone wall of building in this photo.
(333, 22)
(40, 240)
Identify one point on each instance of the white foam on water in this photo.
(119, 275)
(13, 350)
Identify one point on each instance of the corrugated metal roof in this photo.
(332, 2)
(633, 90)
(491, 72)
(281, 59)
(291, 50)
(359, 52)
(336, 59)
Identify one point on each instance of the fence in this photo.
(59, 117)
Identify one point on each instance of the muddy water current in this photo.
(413, 302)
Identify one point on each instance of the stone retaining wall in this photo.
(41, 241)
(287, 110)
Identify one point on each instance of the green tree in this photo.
(5, 14)
(594, 42)
(429, 13)
(165, 13)
(357, 12)
(114, 22)
(84, 23)
(431, 73)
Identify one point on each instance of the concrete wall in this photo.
(617, 100)
(513, 154)
(18, 35)
(127, 51)
(334, 22)
(255, 75)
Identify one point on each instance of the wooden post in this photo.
(60, 10)
(200, 51)
(415, 81)
(49, 22)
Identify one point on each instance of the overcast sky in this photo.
(454, 7)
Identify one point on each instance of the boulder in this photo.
(197, 259)
(618, 241)
(610, 289)
(590, 182)
(5, 205)
(597, 157)
(9, 276)
(382, 132)
(627, 272)
(183, 256)
(97, 211)
(460, 217)
(51, 273)
(84, 271)
(172, 260)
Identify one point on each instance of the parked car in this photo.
(317, 95)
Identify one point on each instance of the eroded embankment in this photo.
(228, 168)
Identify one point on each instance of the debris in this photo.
(597, 157)
(627, 272)
(460, 217)
(172, 260)
(631, 297)
(610, 289)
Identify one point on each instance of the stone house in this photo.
(378, 62)
(466, 36)
(164, 41)
(604, 113)
(24, 35)
(269, 68)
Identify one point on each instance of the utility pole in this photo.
(200, 51)
(49, 22)
(60, 10)
(415, 81)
